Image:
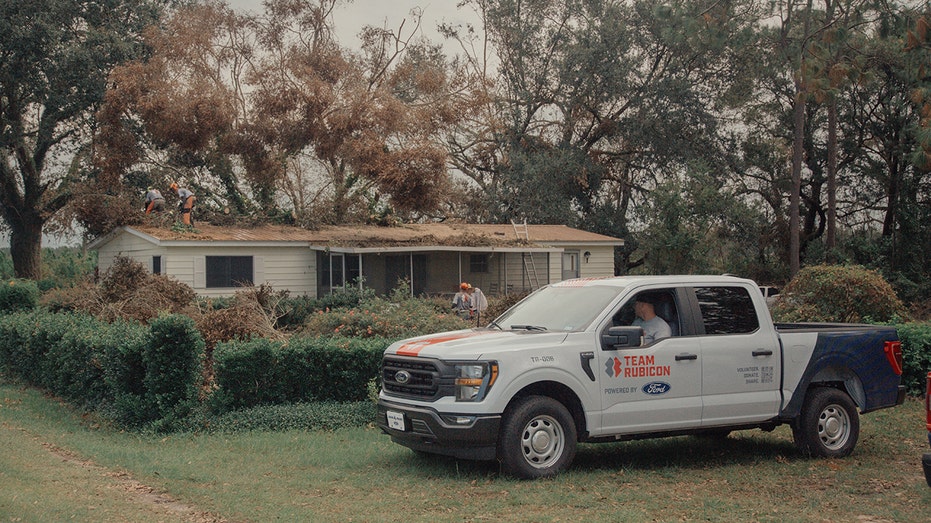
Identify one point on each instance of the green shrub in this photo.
(396, 317)
(173, 360)
(916, 355)
(124, 373)
(264, 372)
(835, 293)
(73, 345)
(16, 295)
(293, 312)
(22, 344)
(68, 354)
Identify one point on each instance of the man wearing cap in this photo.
(653, 326)
(462, 301)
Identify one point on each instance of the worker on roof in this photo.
(186, 205)
(154, 201)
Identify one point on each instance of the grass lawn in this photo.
(56, 465)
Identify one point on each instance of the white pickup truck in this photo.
(565, 366)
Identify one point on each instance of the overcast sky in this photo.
(352, 16)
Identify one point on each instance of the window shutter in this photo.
(200, 272)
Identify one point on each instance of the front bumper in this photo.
(426, 430)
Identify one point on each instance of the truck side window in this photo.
(727, 310)
(664, 306)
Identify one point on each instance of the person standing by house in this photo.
(186, 205)
(462, 301)
(154, 201)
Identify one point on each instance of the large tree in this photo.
(596, 101)
(311, 128)
(55, 56)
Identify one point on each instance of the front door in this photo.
(655, 387)
(570, 265)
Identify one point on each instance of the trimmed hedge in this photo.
(916, 355)
(137, 374)
(18, 295)
(264, 372)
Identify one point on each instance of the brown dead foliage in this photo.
(252, 313)
(126, 291)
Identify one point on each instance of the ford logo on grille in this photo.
(402, 376)
(656, 387)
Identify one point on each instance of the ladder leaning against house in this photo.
(523, 233)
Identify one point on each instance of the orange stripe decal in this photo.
(413, 348)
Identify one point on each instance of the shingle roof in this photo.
(447, 234)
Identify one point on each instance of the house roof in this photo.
(355, 237)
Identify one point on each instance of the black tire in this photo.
(829, 424)
(538, 438)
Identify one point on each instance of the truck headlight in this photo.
(474, 379)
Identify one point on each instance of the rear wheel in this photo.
(829, 424)
(538, 438)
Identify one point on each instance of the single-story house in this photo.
(434, 257)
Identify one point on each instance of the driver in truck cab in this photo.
(654, 327)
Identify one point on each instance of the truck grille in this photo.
(422, 377)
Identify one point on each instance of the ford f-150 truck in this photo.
(565, 365)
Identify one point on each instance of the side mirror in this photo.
(621, 337)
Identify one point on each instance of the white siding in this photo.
(284, 268)
(599, 264)
(290, 268)
(130, 246)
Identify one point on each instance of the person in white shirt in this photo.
(653, 326)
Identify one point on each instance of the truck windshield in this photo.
(563, 309)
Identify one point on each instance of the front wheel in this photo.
(538, 438)
(829, 424)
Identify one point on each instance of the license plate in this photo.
(395, 420)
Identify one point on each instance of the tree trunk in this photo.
(795, 195)
(26, 249)
(830, 241)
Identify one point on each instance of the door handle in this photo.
(586, 359)
(762, 352)
(681, 357)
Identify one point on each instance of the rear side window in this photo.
(727, 310)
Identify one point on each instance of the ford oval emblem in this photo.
(402, 376)
(655, 388)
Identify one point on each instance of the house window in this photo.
(478, 263)
(339, 270)
(229, 271)
(156, 264)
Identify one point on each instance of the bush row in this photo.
(916, 355)
(138, 375)
(263, 371)
(153, 376)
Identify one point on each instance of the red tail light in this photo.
(894, 355)
(928, 402)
